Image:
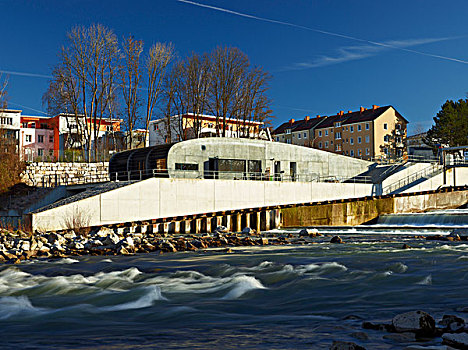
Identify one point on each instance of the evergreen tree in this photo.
(450, 125)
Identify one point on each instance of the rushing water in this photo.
(302, 296)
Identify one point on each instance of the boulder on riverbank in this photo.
(336, 239)
(418, 322)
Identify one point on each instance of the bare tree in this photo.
(254, 105)
(157, 62)
(83, 82)
(229, 67)
(130, 77)
(3, 91)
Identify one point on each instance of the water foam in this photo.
(426, 281)
(243, 284)
(152, 294)
(12, 306)
(66, 261)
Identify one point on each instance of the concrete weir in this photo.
(190, 202)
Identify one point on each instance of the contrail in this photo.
(23, 106)
(321, 31)
(25, 74)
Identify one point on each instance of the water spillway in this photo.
(453, 217)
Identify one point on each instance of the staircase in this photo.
(413, 179)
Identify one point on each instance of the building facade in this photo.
(374, 133)
(189, 126)
(48, 138)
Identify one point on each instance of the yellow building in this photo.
(377, 132)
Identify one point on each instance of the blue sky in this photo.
(324, 55)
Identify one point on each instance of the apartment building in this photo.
(47, 138)
(377, 132)
(182, 127)
(298, 132)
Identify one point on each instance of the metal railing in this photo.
(427, 173)
(138, 175)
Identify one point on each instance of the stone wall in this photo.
(45, 174)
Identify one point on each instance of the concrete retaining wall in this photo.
(364, 210)
(44, 173)
(159, 198)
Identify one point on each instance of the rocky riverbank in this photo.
(16, 246)
(415, 326)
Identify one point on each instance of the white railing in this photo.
(427, 173)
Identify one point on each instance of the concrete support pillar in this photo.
(176, 226)
(229, 223)
(267, 220)
(259, 222)
(239, 222)
(188, 226)
(198, 225)
(277, 218)
(247, 219)
(219, 221)
(160, 228)
(208, 225)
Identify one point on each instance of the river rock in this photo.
(457, 340)
(56, 238)
(69, 234)
(221, 229)
(111, 239)
(405, 337)
(452, 323)
(418, 322)
(309, 232)
(248, 231)
(336, 239)
(345, 345)
(103, 232)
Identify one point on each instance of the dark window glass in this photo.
(186, 166)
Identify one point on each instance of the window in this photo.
(346, 128)
(351, 153)
(25, 125)
(44, 126)
(326, 144)
(288, 141)
(346, 152)
(359, 127)
(28, 138)
(385, 126)
(385, 151)
(299, 136)
(155, 127)
(398, 140)
(326, 132)
(367, 151)
(40, 138)
(359, 139)
(351, 128)
(51, 138)
(305, 135)
(320, 145)
(51, 152)
(367, 139)
(338, 135)
(186, 166)
(337, 147)
(367, 126)
(338, 124)
(6, 121)
(351, 141)
(398, 126)
(288, 131)
(359, 153)
(277, 138)
(40, 152)
(320, 133)
(386, 138)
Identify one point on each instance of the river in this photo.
(282, 297)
